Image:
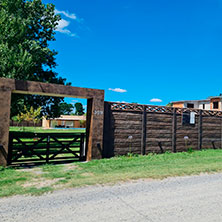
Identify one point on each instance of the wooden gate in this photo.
(33, 148)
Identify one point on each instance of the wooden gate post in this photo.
(174, 130)
(94, 129)
(5, 103)
(143, 139)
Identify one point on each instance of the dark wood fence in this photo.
(33, 148)
(25, 123)
(144, 128)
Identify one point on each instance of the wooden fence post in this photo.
(200, 131)
(108, 132)
(174, 131)
(143, 139)
(220, 133)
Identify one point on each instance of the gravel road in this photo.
(192, 198)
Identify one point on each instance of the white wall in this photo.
(207, 105)
(196, 104)
(199, 105)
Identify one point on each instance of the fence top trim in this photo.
(116, 106)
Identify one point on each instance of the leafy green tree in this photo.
(169, 104)
(26, 28)
(32, 115)
(79, 109)
(66, 108)
(20, 117)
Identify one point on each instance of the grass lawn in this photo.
(42, 130)
(107, 171)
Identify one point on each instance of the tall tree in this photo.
(79, 109)
(66, 108)
(27, 27)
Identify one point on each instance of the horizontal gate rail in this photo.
(29, 148)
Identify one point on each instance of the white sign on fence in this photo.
(192, 117)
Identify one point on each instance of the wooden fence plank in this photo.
(174, 130)
(144, 125)
(200, 131)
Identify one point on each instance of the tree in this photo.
(27, 27)
(29, 115)
(79, 109)
(169, 104)
(32, 114)
(20, 117)
(66, 108)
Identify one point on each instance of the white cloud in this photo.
(61, 27)
(63, 23)
(118, 90)
(121, 102)
(67, 14)
(156, 100)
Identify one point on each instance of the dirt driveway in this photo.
(193, 198)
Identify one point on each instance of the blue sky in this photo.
(142, 49)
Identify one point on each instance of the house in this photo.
(211, 103)
(65, 121)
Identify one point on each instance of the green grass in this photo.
(42, 130)
(109, 171)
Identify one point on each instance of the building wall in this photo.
(196, 104)
(178, 105)
(67, 123)
(207, 105)
(215, 100)
(45, 123)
